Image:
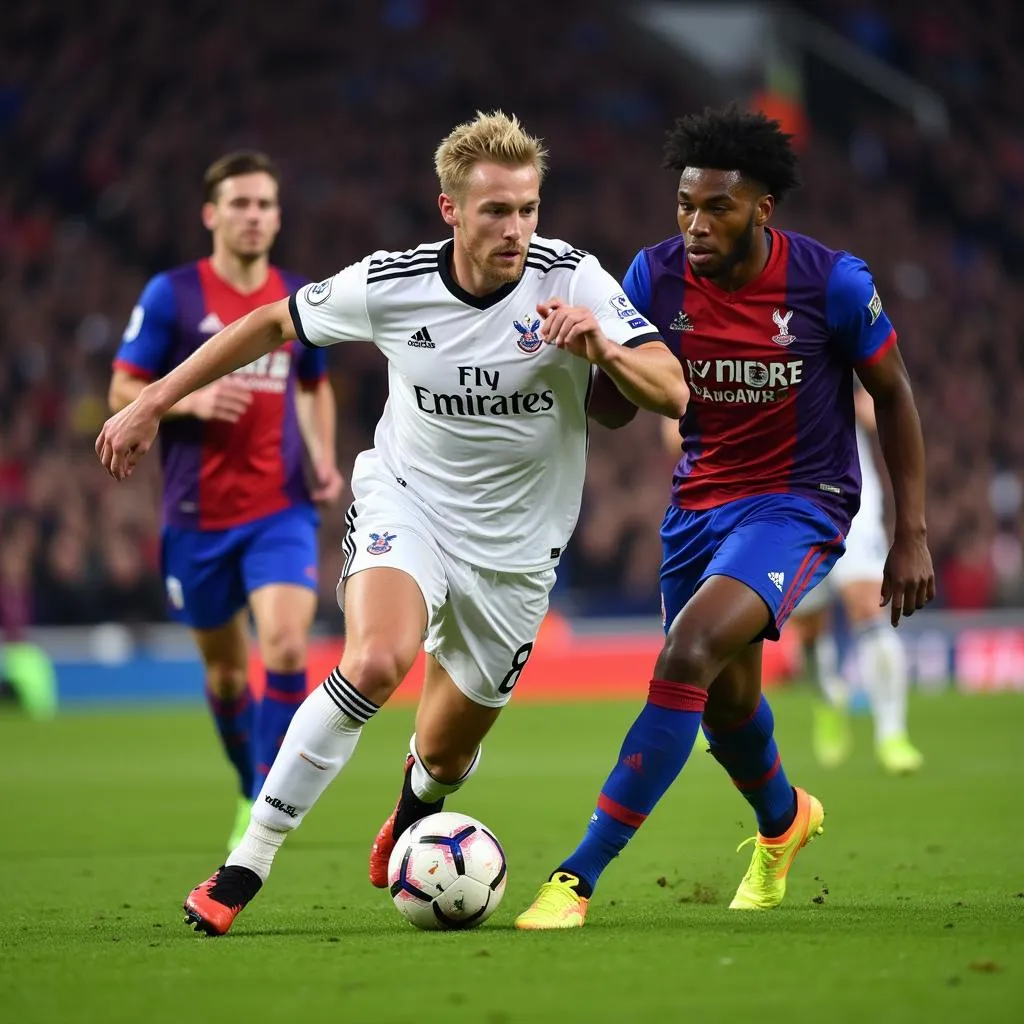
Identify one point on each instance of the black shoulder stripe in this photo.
(414, 268)
(543, 248)
(421, 261)
(557, 265)
(402, 258)
(573, 255)
(410, 272)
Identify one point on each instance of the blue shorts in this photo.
(209, 574)
(779, 545)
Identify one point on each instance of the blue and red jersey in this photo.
(770, 371)
(218, 475)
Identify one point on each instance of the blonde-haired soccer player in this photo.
(471, 491)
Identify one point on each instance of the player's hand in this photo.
(328, 484)
(908, 580)
(574, 328)
(225, 400)
(127, 436)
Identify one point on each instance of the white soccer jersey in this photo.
(485, 426)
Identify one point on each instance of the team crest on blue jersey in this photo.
(875, 306)
(529, 339)
(381, 543)
(783, 338)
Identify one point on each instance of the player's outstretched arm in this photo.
(129, 434)
(909, 579)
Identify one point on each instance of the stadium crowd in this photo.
(114, 117)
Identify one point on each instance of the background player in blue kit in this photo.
(239, 523)
(769, 326)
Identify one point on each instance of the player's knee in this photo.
(284, 649)
(686, 659)
(226, 680)
(375, 668)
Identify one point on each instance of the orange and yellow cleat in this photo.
(558, 905)
(764, 884)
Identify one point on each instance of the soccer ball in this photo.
(447, 871)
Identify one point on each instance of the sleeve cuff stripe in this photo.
(293, 308)
(142, 372)
(644, 339)
(880, 352)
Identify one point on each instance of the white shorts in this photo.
(481, 623)
(867, 545)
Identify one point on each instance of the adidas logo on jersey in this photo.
(778, 578)
(421, 339)
(210, 324)
(681, 322)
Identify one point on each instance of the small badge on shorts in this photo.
(175, 593)
(381, 542)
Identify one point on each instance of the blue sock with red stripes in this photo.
(234, 719)
(748, 752)
(284, 692)
(652, 755)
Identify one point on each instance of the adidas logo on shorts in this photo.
(778, 578)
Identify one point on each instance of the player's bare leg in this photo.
(283, 613)
(225, 654)
(882, 663)
(444, 752)
(385, 621)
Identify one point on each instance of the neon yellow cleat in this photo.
(899, 756)
(831, 736)
(764, 884)
(558, 905)
(241, 823)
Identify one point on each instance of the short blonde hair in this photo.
(489, 138)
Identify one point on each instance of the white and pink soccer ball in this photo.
(447, 871)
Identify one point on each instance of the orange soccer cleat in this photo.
(214, 905)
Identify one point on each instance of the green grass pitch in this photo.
(909, 908)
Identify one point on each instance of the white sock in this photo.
(883, 669)
(834, 687)
(319, 742)
(426, 787)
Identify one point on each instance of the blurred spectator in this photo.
(17, 549)
(130, 592)
(68, 588)
(966, 577)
